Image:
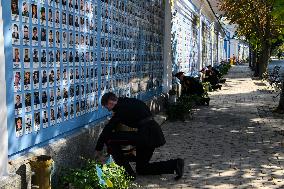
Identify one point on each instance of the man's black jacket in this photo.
(133, 112)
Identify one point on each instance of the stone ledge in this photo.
(10, 182)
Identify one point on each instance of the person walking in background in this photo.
(135, 114)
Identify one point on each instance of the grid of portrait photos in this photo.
(67, 52)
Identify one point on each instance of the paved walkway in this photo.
(234, 143)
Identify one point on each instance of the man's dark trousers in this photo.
(143, 155)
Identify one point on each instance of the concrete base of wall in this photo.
(68, 151)
(10, 182)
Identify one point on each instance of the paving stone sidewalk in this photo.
(236, 142)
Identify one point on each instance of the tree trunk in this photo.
(280, 108)
(264, 58)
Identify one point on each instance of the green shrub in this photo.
(182, 108)
(87, 177)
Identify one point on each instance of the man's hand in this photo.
(99, 156)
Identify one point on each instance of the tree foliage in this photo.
(257, 20)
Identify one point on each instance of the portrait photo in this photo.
(59, 114)
(37, 121)
(34, 14)
(26, 37)
(15, 34)
(65, 111)
(18, 104)
(50, 17)
(27, 80)
(43, 37)
(36, 100)
(51, 78)
(36, 79)
(19, 126)
(35, 37)
(51, 97)
(52, 116)
(15, 10)
(28, 100)
(16, 58)
(42, 16)
(17, 81)
(43, 58)
(44, 78)
(44, 119)
(44, 99)
(28, 124)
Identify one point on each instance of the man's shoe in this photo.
(207, 100)
(220, 87)
(179, 168)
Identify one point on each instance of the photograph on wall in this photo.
(27, 80)
(50, 38)
(65, 94)
(65, 76)
(51, 58)
(59, 114)
(64, 58)
(28, 102)
(58, 96)
(43, 58)
(43, 79)
(26, 37)
(83, 107)
(35, 58)
(27, 58)
(78, 111)
(77, 92)
(17, 81)
(51, 97)
(65, 111)
(72, 93)
(72, 111)
(19, 126)
(77, 59)
(82, 91)
(64, 39)
(57, 4)
(71, 41)
(36, 121)
(77, 75)
(88, 106)
(18, 104)
(44, 119)
(28, 124)
(36, 100)
(15, 10)
(92, 103)
(57, 39)
(25, 12)
(35, 36)
(64, 4)
(64, 21)
(51, 78)
(36, 79)
(52, 117)
(71, 76)
(16, 58)
(57, 18)
(70, 21)
(50, 18)
(34, 13)
(42, 16)
(58, 81)
(57, 58)
(44, 99)
(15, 34)
(43, 37)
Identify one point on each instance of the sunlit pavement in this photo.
(236, 142)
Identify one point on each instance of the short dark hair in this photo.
(108, 96)
(178, 74)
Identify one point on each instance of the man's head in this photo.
(179, 75)
(109, 100)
